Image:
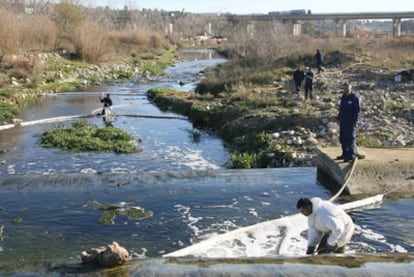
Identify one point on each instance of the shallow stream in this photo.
(48, 197)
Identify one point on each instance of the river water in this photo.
(48, 197)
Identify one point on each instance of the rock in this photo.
(361, 154)
(276, 135)
(291, 156)
(17, 121)
(311, 141)
(111, 256)
(333, 131)
(297, 141)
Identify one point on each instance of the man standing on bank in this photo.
(298, 76)
(330, 227)
(348, 116)
(309, 84)
(319, 57)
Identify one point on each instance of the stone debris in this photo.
(112, 255)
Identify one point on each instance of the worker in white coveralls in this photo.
(330, 227)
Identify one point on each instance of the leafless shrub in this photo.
(141, 38)
(37, 33)
(8, 32)
(90, 43)
(260, 44)
(67, 17)
(19, 66)
(21, 33)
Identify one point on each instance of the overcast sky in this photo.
(260, 6)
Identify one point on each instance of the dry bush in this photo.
(20, 66)
(91, 43)
(37, 33)
(393, 52)
(4, 80)
(140, 38)
(8, 32)
(25, 33)
(260, 44)
(67, 17)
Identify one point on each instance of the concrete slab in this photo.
(383, 170)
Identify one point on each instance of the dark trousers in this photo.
(308, 92)
(298, 85)
(347, 138)
(324, 242)
(320, 67)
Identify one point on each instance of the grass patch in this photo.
(365, 141)
(7, 111)
(156, 66)
(84, 137)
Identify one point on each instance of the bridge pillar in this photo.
(396, 27)
(342, 23)
(344, 28)
(170, 29)
(296, 28)
(250, 29)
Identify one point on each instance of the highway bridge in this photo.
(297, 19)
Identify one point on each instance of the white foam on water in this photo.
(141, 255)
(266, 239)
(11, 169)
(118, 170)
(191, 220)
(283, 236)
(216, 229)
(253, 212)
(88, 170)
(376, 237)
(188, 157)
(247, 198)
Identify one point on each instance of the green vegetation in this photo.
(244, 120)
(158, 65)
(110, 212)
(244, 100)
(83, 137)
(7, 110)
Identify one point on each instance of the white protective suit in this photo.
(327, 218)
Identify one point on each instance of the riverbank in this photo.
(263, 126)
(381, 171)
(46, 73)
(274, 126)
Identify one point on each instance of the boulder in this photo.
(111, 256)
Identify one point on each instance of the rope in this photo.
(154, 116)
(349, 178)
(346, 181)
(95, 111)
(397, 188)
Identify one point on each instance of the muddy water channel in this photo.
(54, 204)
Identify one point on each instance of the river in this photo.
(48, 197)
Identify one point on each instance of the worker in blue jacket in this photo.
(348, 116)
